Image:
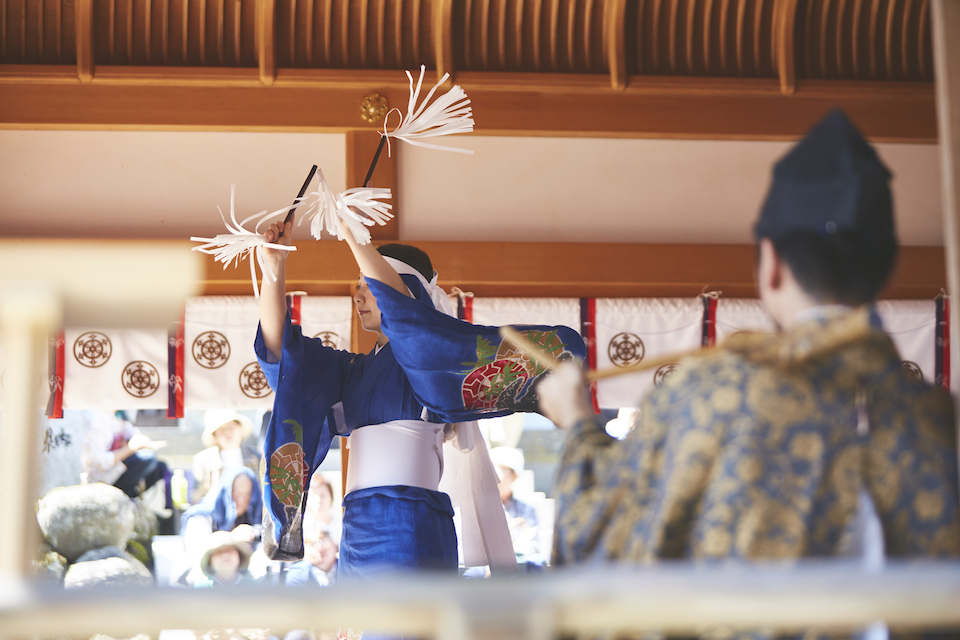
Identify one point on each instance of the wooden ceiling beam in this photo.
(616, 45)
(540, 269)
(85, 62)
(266, 40)
(786, 20)
(361, 148)
(504, 103)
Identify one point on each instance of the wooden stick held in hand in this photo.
(536, 353)
(303, 190)
(514, 337)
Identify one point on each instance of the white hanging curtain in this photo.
(115, 369)
(631, 330)
(734, 315)
(549, 311)
(912, 325)
(220, 365)
(327, 318)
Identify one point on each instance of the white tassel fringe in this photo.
(240, 243)
(359, 208)
(449, 114)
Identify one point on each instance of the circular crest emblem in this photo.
(92, 349)
(913, 369)
(625, 349)
(288, 474)
(140, 379)
(253, 382)
(664, 372)
(211, 350)
(328, 339)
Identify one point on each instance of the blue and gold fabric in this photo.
(753, 451)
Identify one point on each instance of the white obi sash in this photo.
(400, 452)
(411, 453)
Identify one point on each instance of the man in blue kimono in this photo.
(778, 446)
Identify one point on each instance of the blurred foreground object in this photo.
(44, 285)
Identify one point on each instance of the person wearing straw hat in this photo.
(224, 434)
(810, 442)
(224, 563)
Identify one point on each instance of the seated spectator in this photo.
(223, 434)
(320, 515)
(224, 564)
(521, 516)
(319, 564)
(114, 452)
(233, 505)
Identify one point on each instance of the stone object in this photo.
(50, 568)
(145, 520)
(81, 518)
(109, 572)
(103, 553)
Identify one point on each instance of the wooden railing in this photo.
(679, 599)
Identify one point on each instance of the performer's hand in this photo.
(275, 257)
(244, 533)
(139, 441)
(563, 396)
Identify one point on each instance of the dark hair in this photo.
(410, 256)
(843, 268)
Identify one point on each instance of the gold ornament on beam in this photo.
(373, 108)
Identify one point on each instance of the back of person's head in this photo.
(412, 256)
(829, 214)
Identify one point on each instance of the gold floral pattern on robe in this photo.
(752, 451)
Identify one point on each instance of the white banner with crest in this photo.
(631, 330)
(912, 325)
(328, 319)
(735, 315)
(497, 312)
(220, 365)
(115, 369)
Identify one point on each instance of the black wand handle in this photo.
(303, 190)
(373, 165)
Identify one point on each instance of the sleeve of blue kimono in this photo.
(308, 381)
(461, 371)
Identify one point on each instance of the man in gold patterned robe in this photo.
(777, 446)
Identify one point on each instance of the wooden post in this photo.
(361, 146)
(28, 317)
(946, 56)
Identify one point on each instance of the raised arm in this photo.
(273, 301)
(372, 264)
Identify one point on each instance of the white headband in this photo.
(439, 297)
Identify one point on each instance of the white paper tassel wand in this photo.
(241, 243)
(360, 208)
(449, 114)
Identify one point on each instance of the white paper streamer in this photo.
(241, 243)
(449, 114)
(360, 207)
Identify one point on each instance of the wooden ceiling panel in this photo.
(543, 48)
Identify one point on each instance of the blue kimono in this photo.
(453, 369)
